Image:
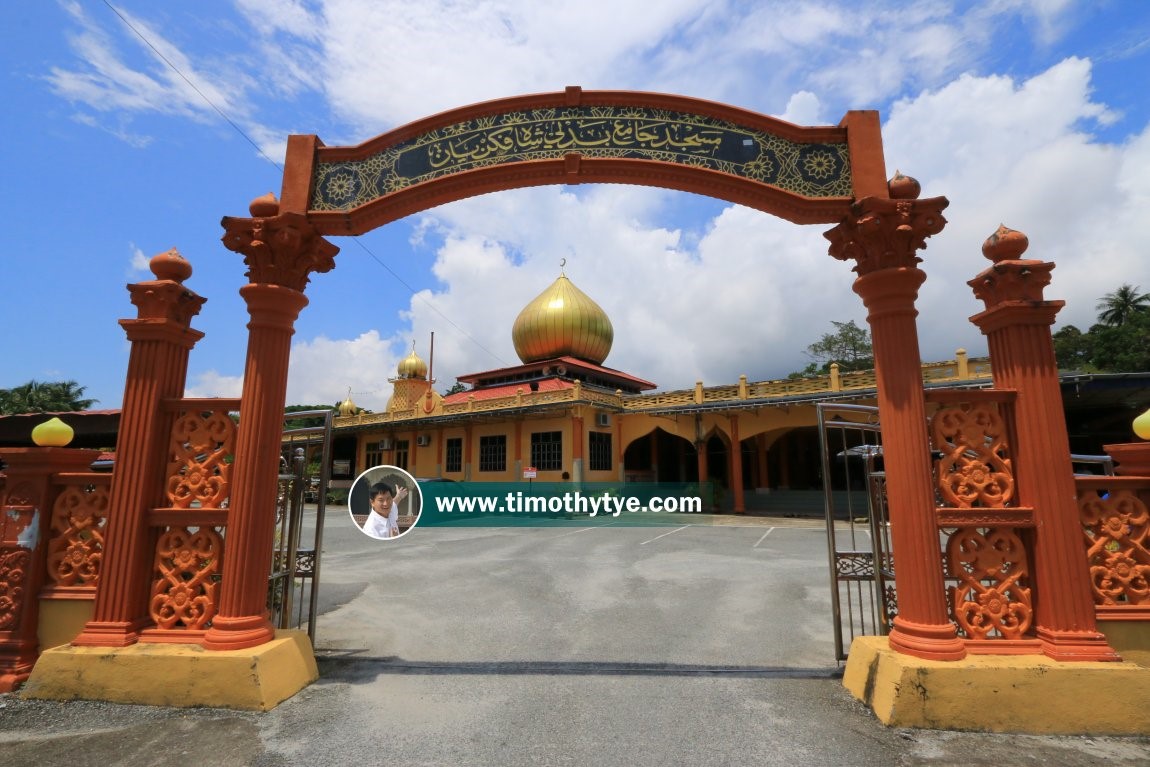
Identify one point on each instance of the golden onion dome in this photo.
(412, 366)
(347, 407)
(562, 321)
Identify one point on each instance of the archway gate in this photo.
(1021, 513)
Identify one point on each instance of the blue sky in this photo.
(123, 141)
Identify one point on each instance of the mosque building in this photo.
(565, 415)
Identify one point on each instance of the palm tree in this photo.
(44, 397)
(1115, 309)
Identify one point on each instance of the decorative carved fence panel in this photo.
(189, 530)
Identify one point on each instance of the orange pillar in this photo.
(883, 235)
(25, 517)
(281, 250)
(161, 339)
(761, 448)
(578, 437)
(737, 467)
(1017, 324)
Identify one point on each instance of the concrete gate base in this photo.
(999, 693)
(185, 675)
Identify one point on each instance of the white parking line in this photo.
(664, 535)
(769, 531)
(584, 529)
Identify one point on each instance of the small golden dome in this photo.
(562, 321)
(412, 366)
(347, 407)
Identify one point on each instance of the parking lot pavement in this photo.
(687, 645)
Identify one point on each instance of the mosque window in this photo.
(547, 450)
(374, 456)
(493, 453)
(599, 451)
(401, 450)
(453, 460)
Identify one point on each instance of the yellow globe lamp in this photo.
(53, 433)
(1142, 425)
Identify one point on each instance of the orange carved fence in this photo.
(1116, 528)
(983, 530)
(189, 528)
(76, 535)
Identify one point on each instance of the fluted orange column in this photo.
(281, 250)
(1017, 324)
(883, 236)
(161, 339)
(737, 467)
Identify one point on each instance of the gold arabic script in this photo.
(573, 135)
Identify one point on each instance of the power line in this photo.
(239, 130)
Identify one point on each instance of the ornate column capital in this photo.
(278, 248)
(166, 298)
(886, 233)
(1011, 278)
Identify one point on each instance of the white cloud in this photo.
(212, 383)
(1020, 153)
(746, 293)
(322, 370)
(718, 294)
(138, 266)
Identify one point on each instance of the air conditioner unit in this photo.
(603, 419)
(423, 440)
(385, 444)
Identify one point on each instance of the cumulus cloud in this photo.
(322, 370)
(696, 289)
(138, 265)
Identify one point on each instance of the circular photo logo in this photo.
(384, 502)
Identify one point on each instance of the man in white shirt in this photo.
(383, 521)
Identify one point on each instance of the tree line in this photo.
(1119, 342)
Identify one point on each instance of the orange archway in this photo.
(805, 175)
(833, 174)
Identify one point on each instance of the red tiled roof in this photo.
(508, 390)
(573, 365)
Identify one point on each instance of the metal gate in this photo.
(305, 470)
(858, 533)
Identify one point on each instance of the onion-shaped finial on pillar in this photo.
(170, 265)
(1142, 425)
(902, 187)
(1005, 245)
(264, 206)
(53, 433)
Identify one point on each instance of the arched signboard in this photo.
(806, 175)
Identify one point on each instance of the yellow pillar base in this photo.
(257, 678)
(999, 693)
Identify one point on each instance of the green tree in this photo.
(303, 423)
(1117, 308)
(44, 397)
(849, 346)
(1122, 348)
(1074, 349)
(455, 389)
